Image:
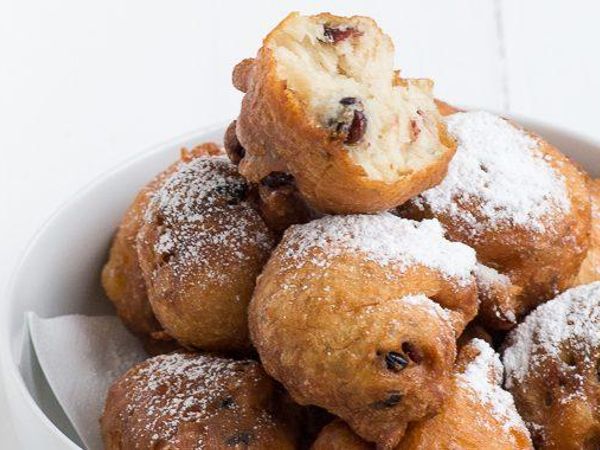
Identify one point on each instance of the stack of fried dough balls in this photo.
(362, 266)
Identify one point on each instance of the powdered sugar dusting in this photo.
(382, 238)
(181, 388)
(572, 319)
(433, 308)
(499, 172)
(201, 211)
(488, 279)
(483, 375)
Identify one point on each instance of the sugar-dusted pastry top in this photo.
(436, 310)
(185, 388)
(203, 207)
(384, 239)
(572, 319)
(497, 176)
(483, 375)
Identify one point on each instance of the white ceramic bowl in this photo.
(59, 274)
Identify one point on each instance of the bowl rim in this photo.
(7, 362)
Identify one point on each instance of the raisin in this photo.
(165, 258)
(334, 35)
(357, 129)
(227, 403)
(392, 400)
(395, 361)
(239, 438)
(232, 145)
(277, 179)
(414, 130)
(347, 101)
(350, 122)
(412, 352)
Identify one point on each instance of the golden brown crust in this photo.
(464, 423)
(159, 343)
(341, 331)
(122, 277)
(552, 369)
(446, 109)
(538, 264)
(282, 206)
(339, 436)
(276, 195)
(234, 149)
(590, 268)
(499, 298)
(182, 401)
(201, 247)
(279, 135)
(241, 74)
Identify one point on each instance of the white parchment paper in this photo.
(81, 356)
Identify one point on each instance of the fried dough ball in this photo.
(552, 363)
(360, 314)
(187, 401)
(122, 277)
(590, 268)
(201, 248)
(323, 104)
(479, 414)
(520, 203)
(280, 204)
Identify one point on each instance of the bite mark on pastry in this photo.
(323, 101)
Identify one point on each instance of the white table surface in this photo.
(83, 85)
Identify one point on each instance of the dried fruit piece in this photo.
(395, 361)
(351, 121)
(357, 129)
(415, 130)
(333, 35)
